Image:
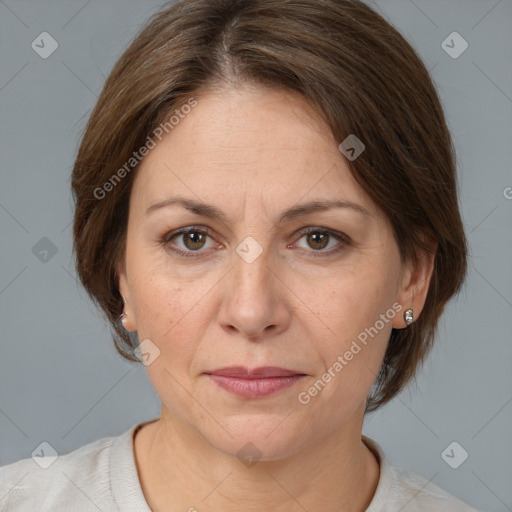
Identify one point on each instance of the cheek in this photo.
(168, 314)
(350, 301)
(162, 298)
(173, 312)
(158, 307)
(354, 313)
(350, 357)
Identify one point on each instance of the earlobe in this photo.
(126, 318)
(126, 322)
(415, 286)
(122, 281)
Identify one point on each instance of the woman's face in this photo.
(265, 277)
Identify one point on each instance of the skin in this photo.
(253, 153)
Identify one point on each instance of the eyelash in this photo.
(341, 237)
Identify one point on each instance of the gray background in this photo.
(61, 380)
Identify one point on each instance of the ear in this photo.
(129, 322)
(415, 281)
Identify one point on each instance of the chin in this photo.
(259, 438)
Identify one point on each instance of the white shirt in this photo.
(102, 475)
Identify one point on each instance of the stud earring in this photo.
(123, 315)
(409, 317)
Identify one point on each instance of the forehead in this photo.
(253, 142)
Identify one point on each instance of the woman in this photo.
(266, 211)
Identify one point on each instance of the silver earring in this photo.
(123, 316)
(409, 317)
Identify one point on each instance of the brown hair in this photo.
(350, 63)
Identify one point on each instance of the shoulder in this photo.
(401, 490)
(67, 482)
(417, 494)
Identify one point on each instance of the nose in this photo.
(254, 301)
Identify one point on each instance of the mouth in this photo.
(258, 382)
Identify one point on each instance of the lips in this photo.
(257, 373)
(259, 382)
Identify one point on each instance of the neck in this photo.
(180, 470)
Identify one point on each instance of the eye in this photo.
(188, 241)
(194, 241)
(323, 241)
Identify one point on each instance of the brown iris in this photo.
(318, 240)
(194, 240)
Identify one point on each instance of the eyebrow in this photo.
(212, 212)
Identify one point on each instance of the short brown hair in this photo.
(352, 65)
